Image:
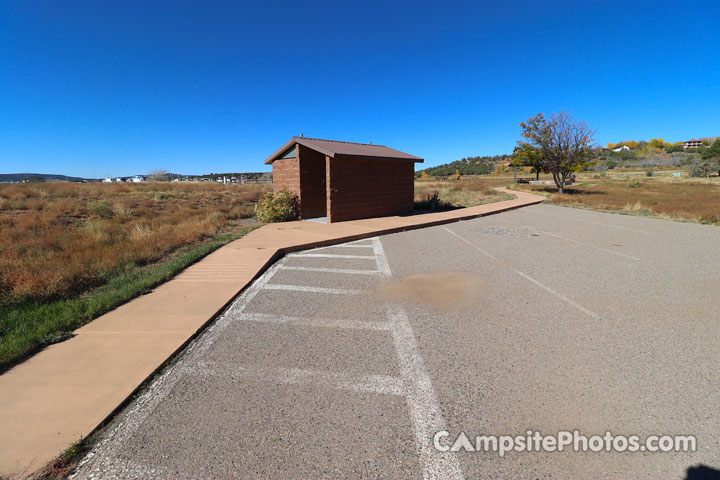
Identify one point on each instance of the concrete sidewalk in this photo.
(66, 391)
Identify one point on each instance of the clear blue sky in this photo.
(119, 88)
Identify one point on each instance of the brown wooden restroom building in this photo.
(343, 180)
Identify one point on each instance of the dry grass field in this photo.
(463, 192)
(683, 199)
(59, 239)
(69, 252)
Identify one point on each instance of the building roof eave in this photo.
(372, 157)
(338, 149)
(279, 151)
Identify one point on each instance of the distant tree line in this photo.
(699, 162)
(658, 144)
(466, 166)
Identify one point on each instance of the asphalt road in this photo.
(344, 362)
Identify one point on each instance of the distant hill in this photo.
(465, 166)
(48, 177)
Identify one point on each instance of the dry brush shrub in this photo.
(102, 209)
(123, 213)
(280, 206)
(432, 202)
(79, 234)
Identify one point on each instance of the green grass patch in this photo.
(26, 328)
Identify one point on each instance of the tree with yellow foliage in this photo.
(657, 143)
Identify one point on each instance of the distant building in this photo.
(107, 180)
(137, 179)
(621, 148)
(694, 143)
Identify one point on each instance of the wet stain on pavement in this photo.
(438, 290)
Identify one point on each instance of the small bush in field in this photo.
(699, 168)
(281, 206)
(124, 214)
(634, 182)
(102, 209)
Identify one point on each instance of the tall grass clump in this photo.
(102, 209)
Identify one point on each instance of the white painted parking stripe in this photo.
(589, 221)
(314, 322)
(528, 277)
(380, 384)
(332, 270)
(473, 245)
(591, 246)
(574, 241)
(560, 296)
(303, 288)
(380, 258)
(329, 255)
(425, 414)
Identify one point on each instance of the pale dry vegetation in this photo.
(458, 192)
(677, 199)
(58, 240)
(71, 252)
